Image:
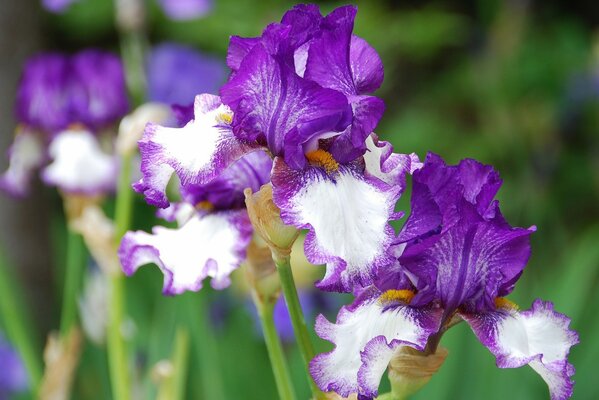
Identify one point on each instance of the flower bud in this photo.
(261, 272)
(410, 370)
(267, 223)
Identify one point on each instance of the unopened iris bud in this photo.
(410, 370)
(261, 272)
(61, 357)
(267, 223)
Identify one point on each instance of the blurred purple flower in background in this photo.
(177, 73)
(185, 9)
(174, 9)
(13, 377)
(57, 6)
(57, 94)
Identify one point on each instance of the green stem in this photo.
(118, 362)
(133, 49)
(75, 265)
(206, 346)
(275, 350)
(174, 387)
(18, 328)
(117, 348)
(297, 317)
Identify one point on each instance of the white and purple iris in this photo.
(300, 93)
(330, 173)
(213, 226)
(63, 103)
(456, 259)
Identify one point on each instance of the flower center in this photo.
(204, 206)
(502, 302)
(323, 159)
(404, 296)
(224, 118)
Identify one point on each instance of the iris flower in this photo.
(213, 226)
(456, 259)
(300, 92)
(63, 103)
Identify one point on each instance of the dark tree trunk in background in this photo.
(24, 224)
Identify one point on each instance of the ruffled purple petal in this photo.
(438, 190)
(186, 9)
(239, 47)
(176, 73)
(197, 153)
(329, 55)
(26, 155)
(367, 112)
(207, 245)
(365, 335)
(275, 106)
(459, 247)
(366, 66)
(347, 215)
(539, 337)
(473, 261)
(79, 165)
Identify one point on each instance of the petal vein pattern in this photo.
(347, 215)
(197, 152)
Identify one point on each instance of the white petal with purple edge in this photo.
(197, 152)
(366, 335)
(79, 165)
(539, 337)
(25, 155)
(348, 218)
(209, 245)
(389, 167)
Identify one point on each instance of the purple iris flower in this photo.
(176, 73)
(13, 377)
(57, 90)
(213, 226)
(62, 101)
(312, 112)
(457, 258)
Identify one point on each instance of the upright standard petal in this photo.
(365, 335)
(207, 245)
(273, 105)
(475, 261)
(25, 155)
(347, 215)
(539, 337)
(79, 165)
(197, 152)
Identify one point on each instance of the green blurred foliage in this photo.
(506, 82)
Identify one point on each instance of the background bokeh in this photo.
(511, 83)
